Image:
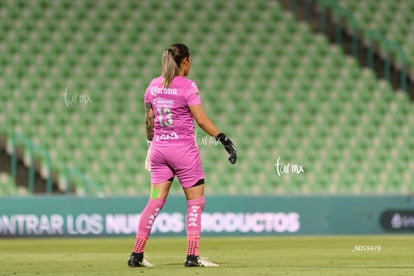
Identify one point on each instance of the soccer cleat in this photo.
(193, 261)
(138, 260)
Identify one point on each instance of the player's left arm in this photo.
(149, 121)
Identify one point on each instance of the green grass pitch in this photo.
(294, 255)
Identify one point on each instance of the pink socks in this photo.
(193, 224)
(146, 220)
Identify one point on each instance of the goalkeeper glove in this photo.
(228, 146)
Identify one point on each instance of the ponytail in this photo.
(171, 60)
(169, 68)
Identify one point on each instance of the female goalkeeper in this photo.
(171, 103)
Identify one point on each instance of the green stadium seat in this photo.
(274, 86)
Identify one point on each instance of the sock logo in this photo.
(193, 216)
(152, 217)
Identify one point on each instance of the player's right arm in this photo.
(149, 121)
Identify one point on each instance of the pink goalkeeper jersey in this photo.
(173, 121)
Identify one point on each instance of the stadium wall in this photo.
(223, 216)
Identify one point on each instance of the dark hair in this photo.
(171, 60)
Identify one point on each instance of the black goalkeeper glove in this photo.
(228, 146)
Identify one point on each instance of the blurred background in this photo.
(325, 86)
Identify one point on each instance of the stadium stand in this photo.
(75, 73)
(393, 19)
(8, 186)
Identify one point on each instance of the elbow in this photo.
(202, 123)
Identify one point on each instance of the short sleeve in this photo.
(192, 94)
(146, 97)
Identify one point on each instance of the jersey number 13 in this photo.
(164, 116)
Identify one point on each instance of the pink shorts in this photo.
(181, 160)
